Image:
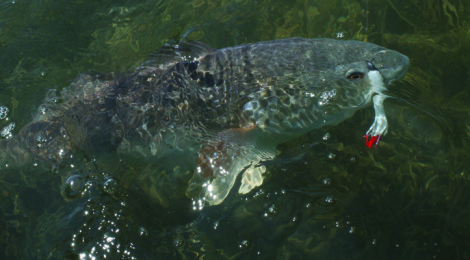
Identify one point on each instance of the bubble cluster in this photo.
(102, 235)
(326, 96)
(331, 156)
(272, 211)
(329, 200)
(111, 187)
(3, 112)
(6, 131)
(179, 242)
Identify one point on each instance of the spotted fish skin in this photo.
(221, 111)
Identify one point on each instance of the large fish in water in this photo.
(217, 112)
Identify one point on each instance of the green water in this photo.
(324, 198)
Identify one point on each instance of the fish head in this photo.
(315, 82)
(350, 65)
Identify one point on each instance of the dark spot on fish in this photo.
(209, 79)
(247, 64)
(208, 62)
(177, 67)
(192, 66)
(194, 75)
(109, 103)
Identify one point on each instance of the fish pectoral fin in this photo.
(252, 178)
(223, 158)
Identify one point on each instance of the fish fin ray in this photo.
(222, 159)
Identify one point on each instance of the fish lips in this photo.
(391, 64)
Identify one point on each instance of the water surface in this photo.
(326, 195)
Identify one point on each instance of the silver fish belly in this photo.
(219, 112)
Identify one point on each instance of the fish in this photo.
(217, 112)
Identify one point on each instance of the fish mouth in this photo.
(392, 65)
(400, 76)
(402, 71)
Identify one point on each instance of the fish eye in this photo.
(355, 75)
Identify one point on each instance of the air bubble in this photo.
(326, 181)
(73, 186)
(244, 244)
(331, 156)
(326, 136)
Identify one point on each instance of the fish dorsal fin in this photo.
(173, 52)
(194, 49)
(225, 156)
